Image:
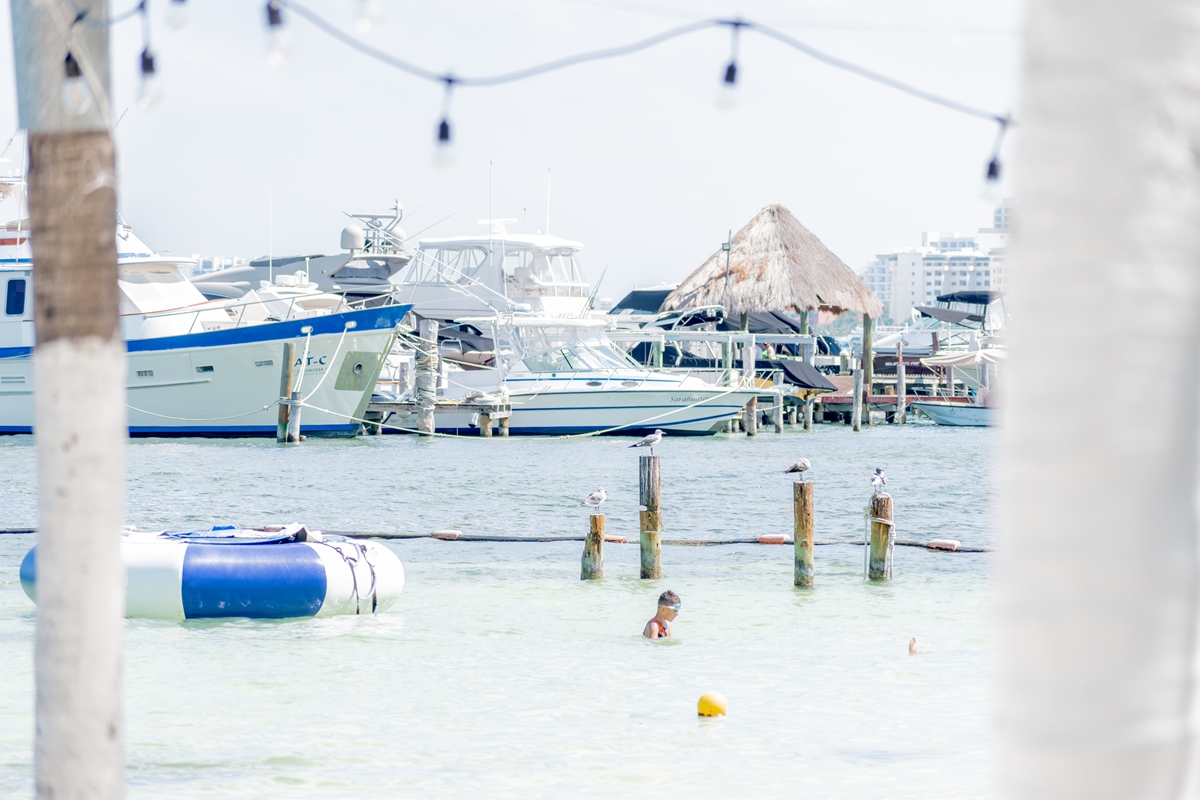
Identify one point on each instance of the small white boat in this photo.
(265, 574)
(958, 414)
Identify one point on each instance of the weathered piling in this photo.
(427, 369)
(793, 415)
(750, 417)
(485, 425)
(808, 413)
(802, 533)
(879, 564)
(650, 519)
(293, 424)
(856, 412)
(592, 567)
(502, 424)
(901, 386)
(777, 414)
(285, 390)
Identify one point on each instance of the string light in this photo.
(148, 91)
(277, 45)
(444, 152)
(727, 96)
(77, 96)
(991, 183)
(177, 14)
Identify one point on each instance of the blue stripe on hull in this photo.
(228, 432)
(263, 581)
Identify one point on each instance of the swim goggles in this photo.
(675, 607)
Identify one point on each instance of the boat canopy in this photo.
(970, 358)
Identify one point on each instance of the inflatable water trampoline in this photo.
(277, 573)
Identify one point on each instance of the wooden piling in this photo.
(901, 386)
(856, 413)
(502, 424)
(592, 567)
(750, 417)
(427, 370)
(868, 363)
(794, 415)
(285, 390)
(293, 424)
(879, 565)
(650, 519)
(485, 425)
(808, 413)
(777, 414)
(802, 533)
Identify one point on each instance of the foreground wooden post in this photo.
(485, 425)
(901, 386)
(593, 550)
(750, 417)
(802, 533)
(856, 412)
(879, 564)
(79, 355)
(650, 519)
(286, 376)
(427, 369)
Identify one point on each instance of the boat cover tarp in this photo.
(642, 301)
(949, 315)
(800, 374)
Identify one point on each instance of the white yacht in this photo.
(564, 376)
(471, 276)
(195, 367)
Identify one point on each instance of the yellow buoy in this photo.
(712, 704)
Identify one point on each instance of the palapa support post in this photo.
(802, 533)
(427, 376)
(879, 563)
(650, 519)
(72, 190)
(868, 365)
(901, 386)
(777, 413)
(592, 568)
(750, 417)
(485, 424)
(856, 412)
(286, 374)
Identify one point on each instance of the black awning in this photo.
(949, 315)
(642, 301)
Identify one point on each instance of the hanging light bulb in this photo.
(369, 15)
(991, 183)
(77, 96)
(728, 93)
(444, 154)
(277, 43)
(177, 14)
(149, 92)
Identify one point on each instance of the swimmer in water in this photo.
(659, 626)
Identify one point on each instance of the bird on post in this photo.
(595, 498)
(801, 466)
(649, 441)
(878, 480)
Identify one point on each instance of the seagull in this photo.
(649, 441)
(878, 480)
(595, 498)
(801, 466)
(912, 646)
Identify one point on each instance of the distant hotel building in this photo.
(907, 278)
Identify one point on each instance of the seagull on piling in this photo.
(801, 466)
(649, 441)
(595, 498)
(878, 480)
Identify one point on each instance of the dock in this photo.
(402, 416)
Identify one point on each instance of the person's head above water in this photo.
(668, 605)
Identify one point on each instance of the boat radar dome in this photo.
(353, 238)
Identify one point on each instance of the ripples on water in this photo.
(500, 672)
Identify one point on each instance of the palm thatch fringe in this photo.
(775, 264)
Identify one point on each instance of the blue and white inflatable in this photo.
(230, 572)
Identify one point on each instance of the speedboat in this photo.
(195, 369)
(564, 376)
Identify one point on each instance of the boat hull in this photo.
(227, 383)
(956, 414)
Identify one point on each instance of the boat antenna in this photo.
(549, 160)
(591, 301)
(270, 237)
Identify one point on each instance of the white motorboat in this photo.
(193, 369)
(977, 412)
(564, 376)
(967, 415)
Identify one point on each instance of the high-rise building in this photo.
(909, 277)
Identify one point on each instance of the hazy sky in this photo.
(644, 168)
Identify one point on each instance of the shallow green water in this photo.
(500, 672)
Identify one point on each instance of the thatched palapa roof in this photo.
(775, 264)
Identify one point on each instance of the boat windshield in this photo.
(566, 348)
(580, 358)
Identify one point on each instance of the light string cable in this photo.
(1003, 121)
